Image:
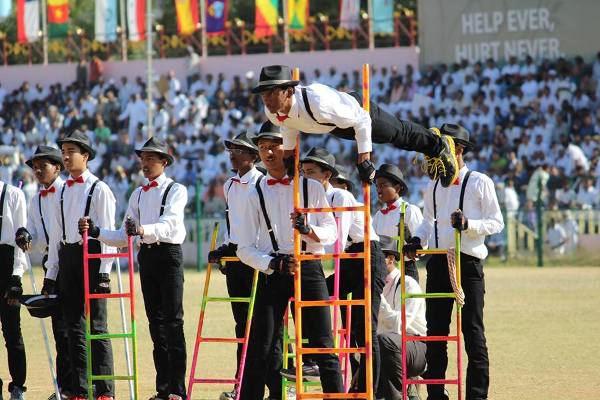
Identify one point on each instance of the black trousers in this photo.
(70, 290)
(161, 275)
(438, 314)
(10, 318)
(275, 292)
(352, 281)
(390, 347)
(386, 128)
(64, 377)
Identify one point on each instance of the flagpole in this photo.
(149, 83)
(370, 20)
(45, 31)
(203, 28)
(286, 28)
(123, 30)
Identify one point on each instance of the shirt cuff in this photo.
(364, 144)
(149, 233)
(474, 225)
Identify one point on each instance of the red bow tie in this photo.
(71, 182)
(284, 181)
(456, 182)
(282, 118)
(149, 186)
(391, 207)
(44, 192)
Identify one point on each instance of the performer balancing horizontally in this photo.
(155, 214)
(317, 108)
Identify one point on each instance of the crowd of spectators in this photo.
(536, 125)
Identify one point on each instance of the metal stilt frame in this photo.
(452, 338)
(201, 339)
(366, 302)
(96, 296)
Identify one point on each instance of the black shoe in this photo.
(310, 373)
(444, 166)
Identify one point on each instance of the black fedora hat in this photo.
(459, 134)
(155, 145)
(389, 246)
(80, 139)
(322, 157)
(274, 76)
(48, 152)
(344, 176)
(391, 172)
(40, 306)
(241, 140)
(268, 131)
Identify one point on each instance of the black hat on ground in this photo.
(391, 172)
(389, 246)
(268, 131)
(344, 176)
(325, 159)
(241, 140)
(80, 139)
(48, 152)
(274, 76)
(155, 145)
(459, 134)
(40, 306)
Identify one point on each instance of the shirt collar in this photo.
(58, 182)
(294, 111)
(392, 275)
(462, 172)
(246, 177)
(160, 180)
(85, 176)
(329, 189)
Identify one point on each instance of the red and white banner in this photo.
(136, 19)
(28, 20)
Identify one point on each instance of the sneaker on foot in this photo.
(229, 395)
(444, 166)
(175, 397)
(309, 373)
(290, 393)
(17, 393)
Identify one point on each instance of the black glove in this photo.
(23, 239)
(412, 245)
(301, 225)
(15, 288)
(459, 221)
(92, 230)
(103, 283)
(214, 256)
(366, 171)
(289, 166)
(49, 286)
(131, 227)
(283, 264)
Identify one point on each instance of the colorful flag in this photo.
(297, 14)
(187, 16)
(5, 9)
(265, 21)
(58, 18)
(28, 20)
(136, 19)
(106, 20)
(349, 14)
(383, 16)
(216, 15)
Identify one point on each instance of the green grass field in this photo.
(541, 329)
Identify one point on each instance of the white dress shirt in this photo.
(328, 106)
(102, 212)
(236, 194)
(144, 208)
(352, 223)
(390, 309)
(387, 224)
(480, 208)
(254, 247)
(34, 220)
(14, 216)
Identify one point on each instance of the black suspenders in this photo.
(227, 210)
(86, 213)
(2, 196)
(462, 191)
(42, 218)
(162, 203)
(460, 203)
(309, 111)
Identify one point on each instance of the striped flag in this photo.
(136, 19)
(58, 18)
(297, 14)
(5, 9)
(349, 14)
(106, 20)
(265, 21)
(383, 16)
(187, 16)
(28, 20)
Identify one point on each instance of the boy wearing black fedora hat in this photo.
(13, 215)
(47, 163)
(83, 194)
(243, 153)
(317, 108)
(266, 243)
(342, 179)
(319, 164)
(155, 214)
(469, 205)
(391, 187)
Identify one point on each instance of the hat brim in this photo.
(346, 181)
(49, 157)
(394, 253)
(236, 142)
(40, 306)
(268, 86)
(334, 172)
(79, 143)
(267, 135)
(169, 157)
(467, 145)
